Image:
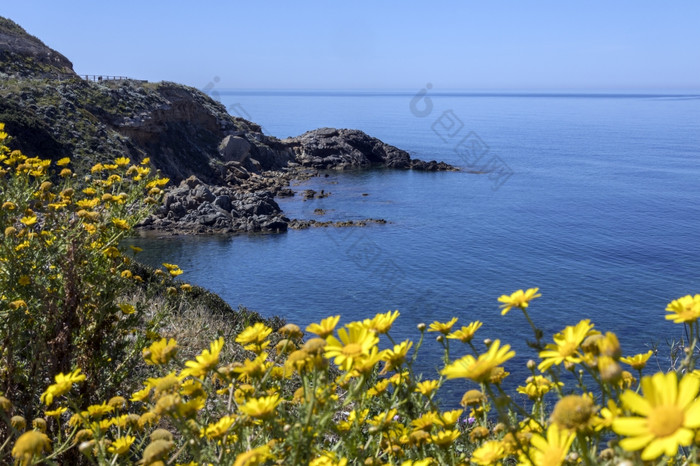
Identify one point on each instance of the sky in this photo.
(486, 45)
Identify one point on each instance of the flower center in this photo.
(352, 349)
(665, 420)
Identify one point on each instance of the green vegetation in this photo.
(104, 361)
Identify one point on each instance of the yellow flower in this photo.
(254, 337)
(574, 412)
(427, 387)
(684, 310)
(325, 327)
(379, 387)
(262, 407)
(120, 223)
(395, 357)
(121, 445)
(122, 161)
(97, 411)
(479, 370)
(127, 308)
(64, 382)
(550, 450)
(426, 421)
(638, 361)
(607, 416)
(56, 412)
(381, 323)
(30, 445)
(255, 457)
(206, 361)
(328, 459)
(424, 462)
(251, 369)
(519, 299)
(449, 418)
(219, 428)
(466, 334)
(537, 386)
(668, 413)
(443, 328)
(63, 162)
(29, 221)
(141, 395)
(566, 345)
(489, 453)
(355, 343)
(445, 438)
(160, 352)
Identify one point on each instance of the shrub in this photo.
(62, 275)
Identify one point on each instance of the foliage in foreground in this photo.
(335, 398)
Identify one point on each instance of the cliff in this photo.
(225, 172)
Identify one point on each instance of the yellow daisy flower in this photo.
(206, 361)
(325, 327)
(519, 299)
(219, 428)
(64, 382)
(381, 323)
(550, 450)
(254, 336)
(253, 457)
(466, 334)
(121, 445)
(537, 386)
(684, 310)
(566, 345)
(427, 387)
(668, 413)
(441, 327)
(262, 407)
(479, 369)
(638, 361)
(489, 453)
(355, 343)
(160, 352)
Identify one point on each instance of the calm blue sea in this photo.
(595, 200)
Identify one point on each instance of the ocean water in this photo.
(595, 199)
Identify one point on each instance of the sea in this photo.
(594, 198)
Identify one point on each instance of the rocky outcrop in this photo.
(340, 149)
(24, 55)
(225, 172)
(196, 207)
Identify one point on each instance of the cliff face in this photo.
(232, 170)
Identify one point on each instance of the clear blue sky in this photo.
(485, 45)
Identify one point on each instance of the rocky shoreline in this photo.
(225, 172)
(245, 201)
